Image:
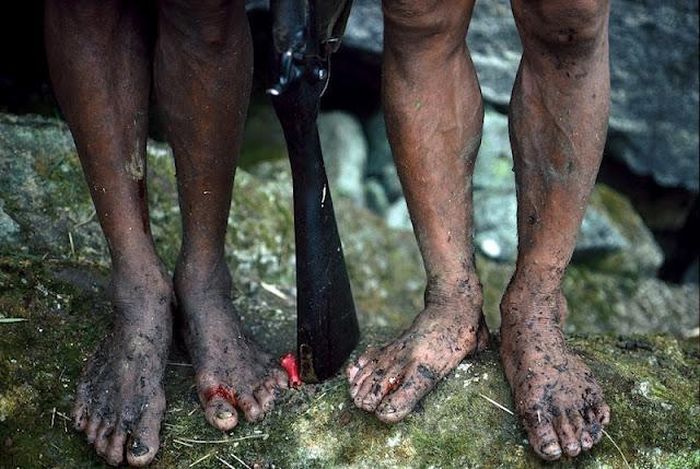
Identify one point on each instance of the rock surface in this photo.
(52, 279)
(654, 73)
(344, 153)
(495, 206)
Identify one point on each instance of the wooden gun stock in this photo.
(327, 329)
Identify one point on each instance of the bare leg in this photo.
(434, 115)
(99, 59)
(558, 123)
(202, 81)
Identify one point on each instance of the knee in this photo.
(414, 24)
(577, 26)
(208, 24)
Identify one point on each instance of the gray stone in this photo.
(375, 196)
(656, 137)
(654, 73)
(344, 153)
(495, 224)
(397, 216)
(9, 229)
(380, 162)
(496, 231)
(494, 164)
(650, 381)
(598, 234)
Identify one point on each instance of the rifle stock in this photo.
(327, 329)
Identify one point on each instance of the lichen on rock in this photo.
(56, 286)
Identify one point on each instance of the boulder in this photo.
(495, 209)
(649, 382)
(654, 74)
(344, 153)
(9, 230)
(54, 310)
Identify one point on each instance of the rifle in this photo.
(305, 33)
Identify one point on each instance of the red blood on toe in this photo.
(220, 391)
(290, 365)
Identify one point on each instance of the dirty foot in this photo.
(231, 370)
(120, 401)
(391, 380)
(558, 400)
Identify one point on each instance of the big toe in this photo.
(221, 414)
(114, 455)
(144, 441)
(543, 438)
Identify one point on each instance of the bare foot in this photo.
(558, 400)
(391, 380)
(120, 400)
(231, 370)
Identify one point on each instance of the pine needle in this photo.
(500, 406)
(627, 464)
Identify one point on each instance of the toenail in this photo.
(224, 414)
(387, 409)
(137, 448)
(551, 449)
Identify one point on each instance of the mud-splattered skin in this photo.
(558, 119)
(105, 59)
(232, 371)
(391, 380)
(556, 396)
(120, 401)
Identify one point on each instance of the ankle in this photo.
(194, 276)
(441, 289)
(529, 302)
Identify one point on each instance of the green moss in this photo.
(642, 257)
(318, 426)
(650, 381)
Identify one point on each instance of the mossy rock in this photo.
(649, 381)
(52, 276)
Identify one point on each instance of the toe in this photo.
(603, 414)
(549, 451)
(221, 414)
(250, 407)
(144, 441)
(114, 454)
(542, 437)
(416, 383)
(102, 437)
(586, 440)
(368, 386)
(80, 416)
(360, 377)
(360, 363)
(568, 437)
(280, 378)
(272, 387)
(351, 371)
(593, 426)
(265, 398)
(91, 429)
